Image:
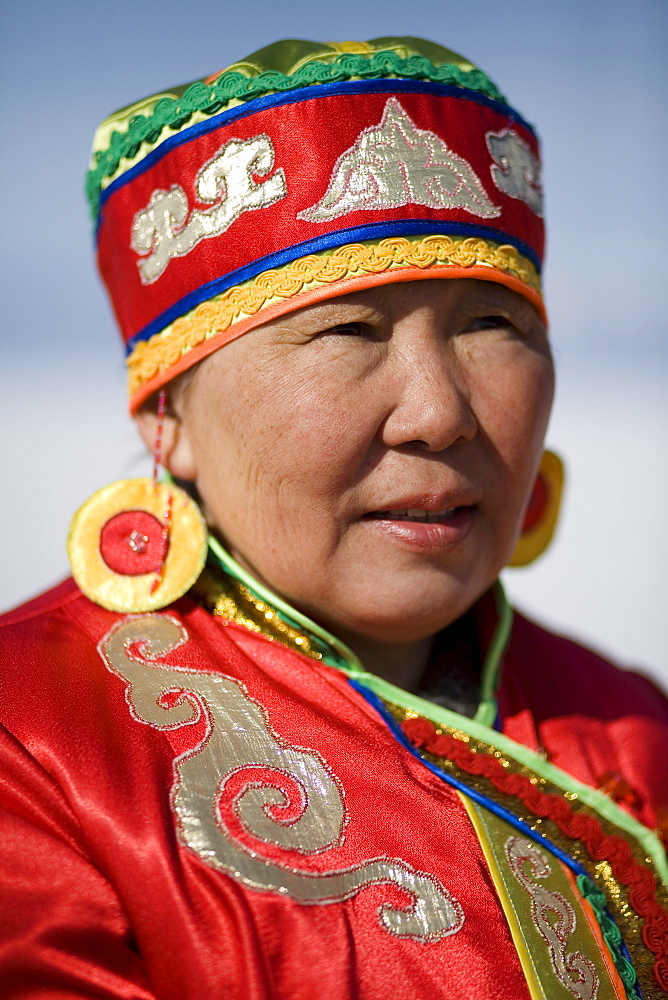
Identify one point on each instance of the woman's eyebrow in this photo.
(333, 314)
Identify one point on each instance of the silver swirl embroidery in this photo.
(573, 969)
(238, 744)
(516, 170)
(394, 164)
(226, 183)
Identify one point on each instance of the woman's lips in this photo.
(424, 530)
(412, 514)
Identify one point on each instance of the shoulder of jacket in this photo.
(50, 601)
(577, 666)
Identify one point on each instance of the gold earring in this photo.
(138, 545)
(540, 518)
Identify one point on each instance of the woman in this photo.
(337, 766)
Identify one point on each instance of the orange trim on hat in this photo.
(311, 296)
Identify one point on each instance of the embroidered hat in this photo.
(306, 171)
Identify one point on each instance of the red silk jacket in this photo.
(192, 810)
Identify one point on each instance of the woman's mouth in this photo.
(422, 530)
(414, 514)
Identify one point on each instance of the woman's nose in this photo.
(431, 404)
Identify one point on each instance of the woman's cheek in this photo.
(323, 428)
(518, 398)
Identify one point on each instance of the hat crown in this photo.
(127, 135)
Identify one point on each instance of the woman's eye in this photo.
(490, 323)
(348, 329)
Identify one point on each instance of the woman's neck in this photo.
(402, 664)
(445, 668)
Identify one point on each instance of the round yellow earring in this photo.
(542, 512)
(137, 545)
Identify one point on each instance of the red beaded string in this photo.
(157, 447)
(166, 524)
(167, 516)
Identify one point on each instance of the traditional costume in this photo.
(207, 795)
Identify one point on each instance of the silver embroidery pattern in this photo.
(238, 743)
(394, 164)
(576, 972)
(225, 182)
(516, 170)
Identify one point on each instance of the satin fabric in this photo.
(308, 137)
(103, 899)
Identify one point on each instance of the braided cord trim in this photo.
(151, 357)
(610, 931)
(637, 878)
(209, 99)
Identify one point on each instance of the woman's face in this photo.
(370, 457)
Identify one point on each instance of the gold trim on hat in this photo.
(150, 358)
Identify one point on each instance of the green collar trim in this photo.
(337, 654)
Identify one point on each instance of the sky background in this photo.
(590, 74)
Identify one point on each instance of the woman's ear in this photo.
(176, 452)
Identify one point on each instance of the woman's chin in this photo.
(399, 618)
(387, 581)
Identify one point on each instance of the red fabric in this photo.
(116, 537)
(308, 138)
(615, 849)
(589, 717)
(102, 899)
(98, 877)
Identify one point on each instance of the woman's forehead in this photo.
(394, 300)
(449, 304)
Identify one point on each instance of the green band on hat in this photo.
(134, 129)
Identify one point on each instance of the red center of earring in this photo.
(132, 543)
(540, 497)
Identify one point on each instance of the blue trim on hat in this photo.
(329, 241)
(461, 786)
(383, 86)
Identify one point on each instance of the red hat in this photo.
(303, 172)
